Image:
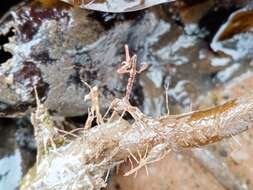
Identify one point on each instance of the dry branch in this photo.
(81, 163)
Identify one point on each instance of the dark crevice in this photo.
(108, 20)
(212, 25)
(6, 5)
(11, 109)
(25, 134)
(78, 120)
(4, 56)
(4, 39)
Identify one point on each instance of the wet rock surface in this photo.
(55, 57)
(56, 48)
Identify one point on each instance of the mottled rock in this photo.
(55, 49)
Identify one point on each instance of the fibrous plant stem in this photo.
(100, 148)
